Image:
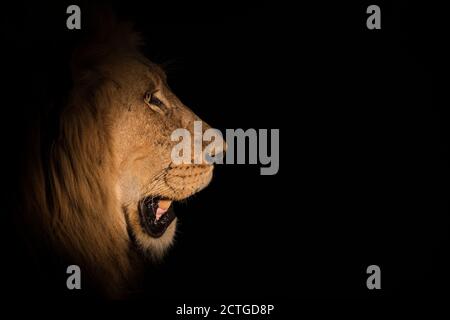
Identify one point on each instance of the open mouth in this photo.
(156, 215)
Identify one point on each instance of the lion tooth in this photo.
(164, 204)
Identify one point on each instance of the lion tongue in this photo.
(163, 206)
(160, 212)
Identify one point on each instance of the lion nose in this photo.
(216, 153)
(209, 140)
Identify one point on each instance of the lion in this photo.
(100, 191)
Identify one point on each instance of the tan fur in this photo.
(111, 151)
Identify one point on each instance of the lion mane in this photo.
(69, 176)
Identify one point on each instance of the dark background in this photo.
(364, 133)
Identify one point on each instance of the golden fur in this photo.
(111, 150)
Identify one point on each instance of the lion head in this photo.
(102, 191)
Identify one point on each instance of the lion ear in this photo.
(104, 36)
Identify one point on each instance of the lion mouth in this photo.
(156, 214)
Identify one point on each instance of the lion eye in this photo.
(153, 102)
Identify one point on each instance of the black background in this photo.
(363, 173)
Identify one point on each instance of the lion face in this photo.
(147, 180)
(106, 183)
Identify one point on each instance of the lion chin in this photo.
(152, 223)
